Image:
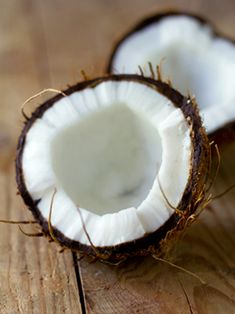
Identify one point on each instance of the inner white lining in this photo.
(191, 57)
(92, 118)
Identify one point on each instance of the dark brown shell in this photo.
(223, 134)
(189, 202)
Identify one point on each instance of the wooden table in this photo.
(46, 44)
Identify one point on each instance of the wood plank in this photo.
(34, 277)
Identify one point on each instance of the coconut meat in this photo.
(105, 149)
(191, 57)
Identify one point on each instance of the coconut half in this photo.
(121, 152)
(192, 55)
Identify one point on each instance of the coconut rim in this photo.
(225, 131)
(145, 22)
(195, 184)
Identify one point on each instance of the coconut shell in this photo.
(192, 197)
(224, 134)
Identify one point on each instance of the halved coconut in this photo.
(118, 151)
(192, 55)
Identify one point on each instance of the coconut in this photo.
(112, 167)
(192, 55)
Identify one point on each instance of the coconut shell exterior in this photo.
(224, 134)
(194, 191)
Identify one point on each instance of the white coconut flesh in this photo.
(105, 149)
(194, 60)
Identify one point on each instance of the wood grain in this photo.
(46, 44)
(34, 277)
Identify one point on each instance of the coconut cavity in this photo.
(109, 160)
(195, 61)
(105, 149)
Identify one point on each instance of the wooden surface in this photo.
(46, 44)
